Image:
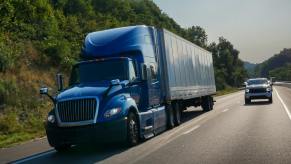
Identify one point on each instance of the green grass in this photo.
(226, 91)
(16, 138)
(22, 110)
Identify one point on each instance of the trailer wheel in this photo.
(132, 130)
(177, 113)
(207, 103)
(170, 117)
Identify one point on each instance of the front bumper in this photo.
(265, 95)
(107, 132)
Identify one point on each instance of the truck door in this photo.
(155, 99)
(154, 87)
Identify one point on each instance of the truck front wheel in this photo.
(62, 148)
(132, 129)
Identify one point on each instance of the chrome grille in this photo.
(258, 90)
(77, 110)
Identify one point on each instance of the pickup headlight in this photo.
(51, 119)
(268, 89)
(247, 90)
(112, 112)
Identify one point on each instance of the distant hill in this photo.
(250, 67)
(279, 60)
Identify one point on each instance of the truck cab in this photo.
(110, 92)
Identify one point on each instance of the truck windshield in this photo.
(99, 71)
(257, 82)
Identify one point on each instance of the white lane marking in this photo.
(181, 128)
(192, 129)
(284, 105)
(225, 110)
(200, 118)
(34, 156)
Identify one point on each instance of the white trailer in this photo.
(187, 68)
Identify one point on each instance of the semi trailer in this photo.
(132, 83)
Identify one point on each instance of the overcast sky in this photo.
(257, 28)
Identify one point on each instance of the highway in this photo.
(232, 133)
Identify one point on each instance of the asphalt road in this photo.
(231, 133)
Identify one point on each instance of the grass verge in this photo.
(227, 91)
(16, 138)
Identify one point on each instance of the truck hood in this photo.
(90, 90)
(82, 91)
(257, 86)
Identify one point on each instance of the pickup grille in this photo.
(258, 90)
(77, 110)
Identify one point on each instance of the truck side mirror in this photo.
(144, 72)
(60, 82)
(43, 91)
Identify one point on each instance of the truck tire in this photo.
(211, 102)
(170, 117)
(271, 100)
(207, 103)
(62, 148)
(247, 101)
(177, 114)
(132, 129)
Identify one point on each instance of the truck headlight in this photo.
(112, 112)
(51, 119)
(247, 90)
(269, 89)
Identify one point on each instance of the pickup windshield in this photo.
(94, 71)
(257, 82)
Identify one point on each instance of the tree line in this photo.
(56, 29)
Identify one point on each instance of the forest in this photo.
(278, 66)
(39, 38)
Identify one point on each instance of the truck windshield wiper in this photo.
(110, 87)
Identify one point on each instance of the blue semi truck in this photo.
(132, 83)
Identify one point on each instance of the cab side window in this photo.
(132, 72)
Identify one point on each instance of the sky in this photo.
(257, 28)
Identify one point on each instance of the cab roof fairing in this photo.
(113, 42)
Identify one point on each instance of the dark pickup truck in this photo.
(259, 88)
